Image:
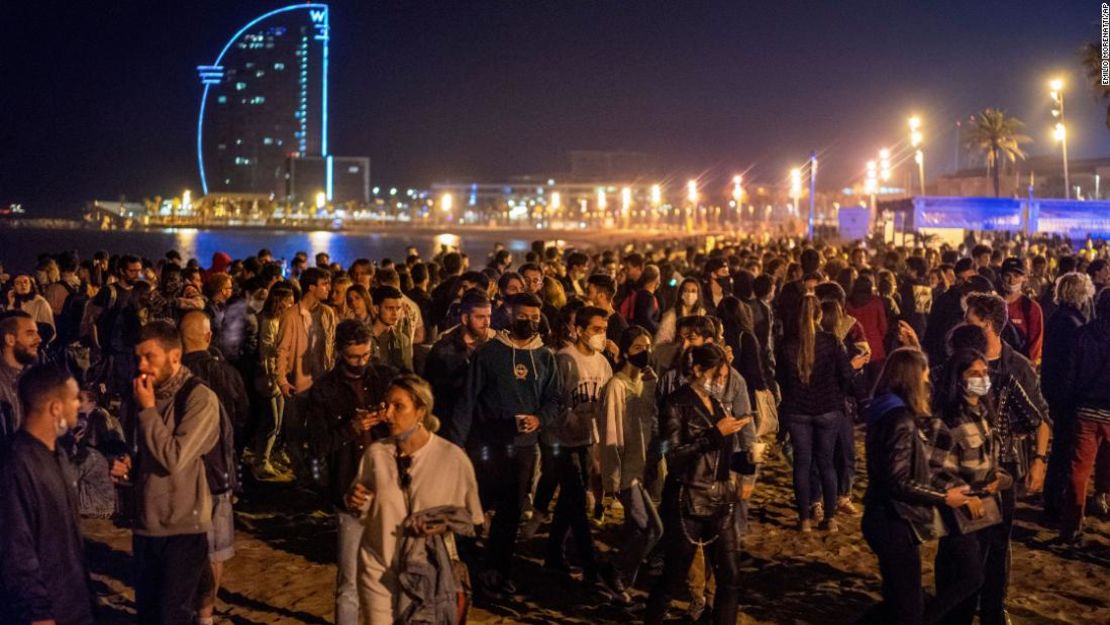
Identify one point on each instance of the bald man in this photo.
(207, 364)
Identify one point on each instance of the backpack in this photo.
(1014, 337)
(220, 465)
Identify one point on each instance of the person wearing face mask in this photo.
(513, 391)
(718, 283)
(414, 491)
(686, 304)
(344, 417)
(1025, 331)
(584, 371)
(966, 453)
(43, 576)
(699, 500)
(629, 420)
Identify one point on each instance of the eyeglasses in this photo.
(404, 464)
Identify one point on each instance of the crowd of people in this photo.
(446, 411)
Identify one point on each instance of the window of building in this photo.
(239, 86)
(222, 99)
(279, 66)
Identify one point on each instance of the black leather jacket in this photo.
(898, 473)
(697, 454)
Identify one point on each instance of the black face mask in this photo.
(640, 360)
(724, 282)
(523, 329)
(354, 371)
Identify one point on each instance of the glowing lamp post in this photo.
(918, 154)
(692, 196)
(321, 201)
(795, 187)
(884, 165)
(1061, 133)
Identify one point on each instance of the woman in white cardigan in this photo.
(410, 471)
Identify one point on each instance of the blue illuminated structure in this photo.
(263, 78)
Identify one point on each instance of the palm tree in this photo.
(1091, 57)
(996, 135)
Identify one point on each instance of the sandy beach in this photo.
(283, 571)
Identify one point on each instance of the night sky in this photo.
(99, 99)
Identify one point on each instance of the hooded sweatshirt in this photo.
(582, 377)
(503, 381)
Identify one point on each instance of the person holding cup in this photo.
(345, 415)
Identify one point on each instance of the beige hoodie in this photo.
(173, 490)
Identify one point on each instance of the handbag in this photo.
(767, 413)
(992, 515)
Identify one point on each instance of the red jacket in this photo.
(872, 316)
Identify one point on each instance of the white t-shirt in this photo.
(594, 372)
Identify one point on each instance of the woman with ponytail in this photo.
(411, 485)
(816, 377)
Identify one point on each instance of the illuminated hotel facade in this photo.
(265, 102)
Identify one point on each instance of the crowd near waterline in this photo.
(448, 408)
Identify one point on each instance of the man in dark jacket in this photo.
(1091, 394)
(915, 295)
(1057, 371)
(19, 348)
(43, 578)
(445, 368)
(344, 416)
(947, 313)
(214, 371)
(512, 392)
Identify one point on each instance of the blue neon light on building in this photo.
(268, 107)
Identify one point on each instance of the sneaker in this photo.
(844, 505)
(829, 525)
(817, 512)
(805, 526)
(264, 472)
(1100, 507)
(696, 609)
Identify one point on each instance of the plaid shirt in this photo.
(964, 451)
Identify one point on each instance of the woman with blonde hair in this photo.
(412, 485)
(816, 378)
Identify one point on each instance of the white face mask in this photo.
(978, 386)
(689, 299)
(597, 342)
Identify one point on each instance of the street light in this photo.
(1061, 134)
(656, 195)
(556, 200)
(692, 191)
(602, 203)
(446, 202)
(321, 200)
(918, 155)
(737, 189)
(626, 199)
(795, 186)
(884, 164)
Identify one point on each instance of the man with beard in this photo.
(107, 321)
(445, 367)
(174, 497)
(513, 391)
(19, 348)
(344, 408)
(43, 578)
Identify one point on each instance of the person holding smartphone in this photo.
(345, 415)
(700, 506)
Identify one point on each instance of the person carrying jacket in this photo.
(513, 392)
(343, 417)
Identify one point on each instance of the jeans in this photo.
(642, 530)
(1059, 459)
(572, 466)
(996, 565)
(296, 434)
(814, 438)
(269, 428)
(1089, 437)
(167, 576)
(504, 481)
(723, 553)
(893, 541)
(348, 537)
(959, 577)
(549, 480)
